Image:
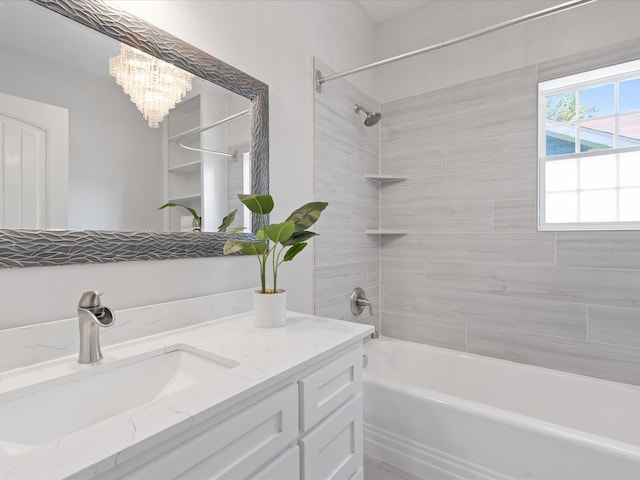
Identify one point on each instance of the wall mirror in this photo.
(89, 188)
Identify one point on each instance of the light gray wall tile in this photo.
(364, 218)
(599, 249)
(499, 184)
(515, 85)
(345, 150)
(503, 150)
(373, 273)
(515, 215)
(448, 217)
(336, 217)
(337, 152)
(403, 273)
(486, 248)
(519, 314)
(616, 363)
(390, 139)
(353, 188)
(618, 326)
(345, 248)
(334, 113)
(334, 280)
(471, 127)
(437, 332)
(417, 163)
(332, 307)
(322, 182)
(619, 52)
(616, 288)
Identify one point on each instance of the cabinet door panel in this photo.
(326, 389)
(285, 467)
(333, 450)
(235, 447)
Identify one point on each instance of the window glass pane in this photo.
(630, 205)
(561, 175)
(629, 130)
(596, 101)
(598, 172)
(629, 94)
(630, 169)
(560, 138)
(561, 108)
(561, 207)
(597, 134)
(598, 206)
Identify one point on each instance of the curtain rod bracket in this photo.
(319, 81)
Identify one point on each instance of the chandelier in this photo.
(153, 85)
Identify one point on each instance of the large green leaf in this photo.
(307, 215)
(190, 210)
(299, 237)
(227, 221)
(262, 234)
(262, 204)
(279, 232)
(246, 248)
(293, 251)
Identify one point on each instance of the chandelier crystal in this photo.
(153, 85)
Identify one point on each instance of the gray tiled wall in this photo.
(345, 150)
(473, 273)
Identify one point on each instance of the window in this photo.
(589, 150)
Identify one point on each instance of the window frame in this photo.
(574, 83)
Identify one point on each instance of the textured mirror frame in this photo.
(26, 248)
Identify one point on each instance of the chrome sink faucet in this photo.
(91, 317)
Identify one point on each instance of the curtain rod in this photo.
(179, 138)
(320, 79)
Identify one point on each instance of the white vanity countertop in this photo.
(265, 357)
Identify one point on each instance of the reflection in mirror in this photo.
(77, 153)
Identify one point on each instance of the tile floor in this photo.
(376, 469)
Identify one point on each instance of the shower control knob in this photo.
(359, 301)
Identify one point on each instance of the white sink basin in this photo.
(66, 405)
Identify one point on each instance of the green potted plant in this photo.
(275, 244)
(197, 219)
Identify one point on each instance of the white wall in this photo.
(277, 44)
(111, 155)
(580, 29)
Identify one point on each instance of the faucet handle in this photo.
(90, 299)
(358, 301)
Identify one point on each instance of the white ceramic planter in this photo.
(270, 309)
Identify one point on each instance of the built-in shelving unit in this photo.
(184, 167)
(383, 179)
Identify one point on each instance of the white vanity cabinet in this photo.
(306, 427)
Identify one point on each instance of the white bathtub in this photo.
(440, 413)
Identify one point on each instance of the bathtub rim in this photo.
(618, 448)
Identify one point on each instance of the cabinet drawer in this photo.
(359, 475)
(235, 447)
(333, 450)
(326, 389)
(285, 467)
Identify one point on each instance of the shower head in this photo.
(372, 118)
